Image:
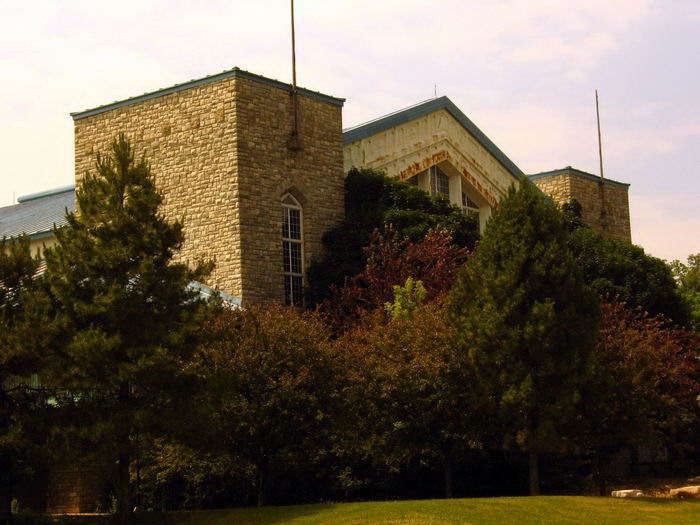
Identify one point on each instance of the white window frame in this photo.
(469, 207)
(293, 281)
(435, 174)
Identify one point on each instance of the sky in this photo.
(524, 71)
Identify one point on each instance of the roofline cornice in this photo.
(574, 171)
(403, 116)
(231, 73)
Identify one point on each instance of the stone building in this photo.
(257, 200)
(256, 173)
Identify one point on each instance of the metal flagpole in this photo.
(294, 143)
(600, 158)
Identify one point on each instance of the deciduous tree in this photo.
(410, 396)
(688, 278)
(391, 260)
(645, 384)
(374, 201)
(270, 382)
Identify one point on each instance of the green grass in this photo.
(543, 510)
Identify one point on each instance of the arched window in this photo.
(292, 251)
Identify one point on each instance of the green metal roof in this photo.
(581, 173)
(408, 114)
(231, 73)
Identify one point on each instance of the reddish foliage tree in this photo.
(391, 260)
(645, 387)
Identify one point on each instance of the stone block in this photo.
(627, 493)
(691, 491)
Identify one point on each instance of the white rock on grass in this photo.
(629, 493)
(692, 491)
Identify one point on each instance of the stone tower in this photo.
(604, 207)
(219, 149)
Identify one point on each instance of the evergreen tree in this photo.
(22, 326)
(526, 322)
(126, 318)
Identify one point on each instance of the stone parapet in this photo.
(612, 219)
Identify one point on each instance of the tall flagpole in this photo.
(294, 143)
(600, 158)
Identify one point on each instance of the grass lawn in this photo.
(549, 510)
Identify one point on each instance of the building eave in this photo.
(231, 73)
(417, 111)
(574, 171)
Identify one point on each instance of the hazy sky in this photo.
(523, 70)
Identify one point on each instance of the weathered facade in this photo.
(473, 172)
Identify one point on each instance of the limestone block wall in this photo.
(218, 150)
(188, 138)
(586, 189)
(268, 169)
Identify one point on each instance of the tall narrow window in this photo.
(292, 251)
(439, 182)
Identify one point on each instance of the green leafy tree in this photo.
(526, 322)
(126, 319)
(620, 269)
(270, 385)
(374, 201)
(688, 278)
(407, 299)
(22, 327)
(410, 397)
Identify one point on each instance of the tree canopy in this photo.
(619, 269)
(22, 332)
(269, 378)
(125, 316)
(688, 278)
(526, 323)
(374, 201)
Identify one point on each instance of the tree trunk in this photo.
(5, 506)
(634, 461)
(6, 494)
(598, 478)
(124, 453)
(262, 480)
(449, 476)
(534, 473)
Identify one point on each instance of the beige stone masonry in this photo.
(615, 223)
(219, 154)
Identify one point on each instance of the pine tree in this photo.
(126, 318)
(22, 324)
(527, 324)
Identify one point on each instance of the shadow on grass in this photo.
(245, 516)
(238, 516)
